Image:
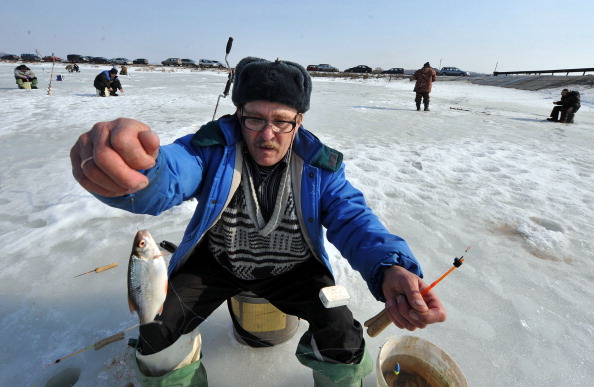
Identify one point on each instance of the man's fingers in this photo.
(139, 147)
(112, 152)
(150, 142)
(119, 154)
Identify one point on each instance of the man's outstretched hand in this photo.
(106, 160)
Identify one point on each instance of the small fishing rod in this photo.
(379, 322)
(100, 269)
(49, 88)
(98, 344)
(229, 79)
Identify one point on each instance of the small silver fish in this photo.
(147, 278)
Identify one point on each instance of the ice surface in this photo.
(488, 173)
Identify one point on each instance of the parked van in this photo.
(30, 58)
(172, 62)
(207, 63)
(453, 71)
(75, 58)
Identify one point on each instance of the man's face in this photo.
(268, 147)
(564, 93)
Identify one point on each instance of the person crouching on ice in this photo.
(108, 80)
(567, 106)
(24, 74)
(267, 188)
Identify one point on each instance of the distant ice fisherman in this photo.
(425, 77)
(107, 82)
(25, 78)
(567, 106)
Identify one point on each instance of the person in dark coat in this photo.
(424, 77)
(108, 80)
(567, 106)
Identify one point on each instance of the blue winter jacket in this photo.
(207, 166)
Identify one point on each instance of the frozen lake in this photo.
(480, 169)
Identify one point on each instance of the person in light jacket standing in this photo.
(424, 77)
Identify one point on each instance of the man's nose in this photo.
(267, 133)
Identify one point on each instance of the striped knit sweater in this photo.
(258, 234)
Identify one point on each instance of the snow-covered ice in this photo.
(481, 169)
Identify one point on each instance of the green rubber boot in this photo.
(178, 365)
(193, 374)
(333, 374)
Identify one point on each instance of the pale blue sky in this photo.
(472, 35)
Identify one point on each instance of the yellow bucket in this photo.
(258, 323)
(420, 362)
(26, 85)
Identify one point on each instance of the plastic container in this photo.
(421, 362)
(105, 91)
(258, 323)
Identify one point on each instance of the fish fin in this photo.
(131, 306)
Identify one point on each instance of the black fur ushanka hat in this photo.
(283, 82)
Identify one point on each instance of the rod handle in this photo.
(106, 267)
(108, 340)
(229, 44)
(227, 87)
(378, 323)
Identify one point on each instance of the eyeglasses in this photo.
(259, 124)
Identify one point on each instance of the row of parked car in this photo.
(75, 58)
(362, 69)
(30, 58)
(204, 63)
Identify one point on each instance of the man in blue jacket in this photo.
(107, 81)
(266, 189)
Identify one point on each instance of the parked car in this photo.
(207, 63)
(121, 61)
(99, 60)
(51, 58)
(75, 58)
(31, 57)
(189, 62)
(172, 62)
(394, 70)
(453, 71)
(140, 61)
(359, 69)
(322, 67)
(10, 57)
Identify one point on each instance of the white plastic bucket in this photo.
(421, 363)
(105, 91)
